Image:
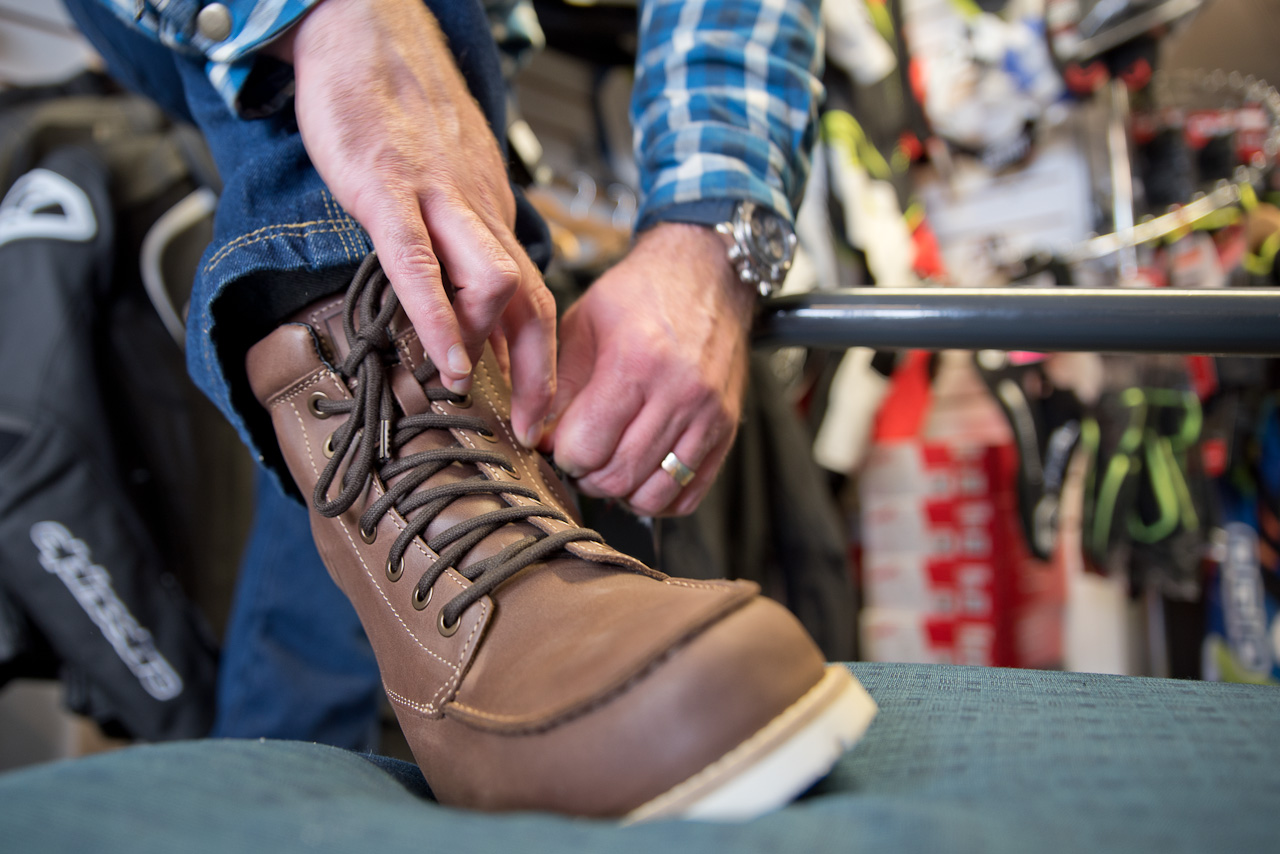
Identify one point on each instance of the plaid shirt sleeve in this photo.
(230, 61)
(725, 103)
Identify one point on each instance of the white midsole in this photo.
(768, 770)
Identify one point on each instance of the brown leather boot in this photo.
(531, 666)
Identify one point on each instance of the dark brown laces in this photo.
(375, 432)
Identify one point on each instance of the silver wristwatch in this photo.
(761, 246)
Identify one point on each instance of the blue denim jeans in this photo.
(295, 662)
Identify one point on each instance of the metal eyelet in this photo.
(512, 471)
(394, 573)
(315, 398)
(418, 602)
(447, 630)
(464, 402)
(327, 449)
(369, 536)
(488, 435)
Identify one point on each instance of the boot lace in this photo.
(372, 437)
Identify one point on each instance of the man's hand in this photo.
(653, 359)
(392, 129)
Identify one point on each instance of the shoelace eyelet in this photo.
(447, 630)
(512, 471)
(463, 402)
(312, 407)
(369, 536)
(327, 448)
(488, 436)
(419, 603)
(394, 572)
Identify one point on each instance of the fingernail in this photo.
(461, 386)
(459, 361)
(532, 436)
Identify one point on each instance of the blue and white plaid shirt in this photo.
(724, 106)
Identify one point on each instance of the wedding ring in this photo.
(679, 471)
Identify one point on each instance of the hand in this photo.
(653, 359)
(398, 139)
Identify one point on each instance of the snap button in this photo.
(214, 22)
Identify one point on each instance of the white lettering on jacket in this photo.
(68, 558)
(43, 204)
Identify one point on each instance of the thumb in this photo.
(574, 367)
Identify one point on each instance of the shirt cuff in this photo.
(704, 188)
(229, 34)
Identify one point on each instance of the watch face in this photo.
(770, 236)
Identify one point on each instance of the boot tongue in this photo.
(326, 320)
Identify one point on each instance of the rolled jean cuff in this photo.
(247, 285)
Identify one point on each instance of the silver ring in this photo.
(679, 471)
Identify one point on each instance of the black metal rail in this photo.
(1242, 321)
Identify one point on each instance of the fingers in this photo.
(481, 270)
(639, 450)
(589, 431)
(662, 495)
(635, 469)
(410, 262)
(653, 361)
(624, 417)
(529, 324)
(501, 352)
(497, 287)
(490, 281)
(574, 369)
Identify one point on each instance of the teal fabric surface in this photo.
(959, 759)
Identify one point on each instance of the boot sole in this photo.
(772, 767)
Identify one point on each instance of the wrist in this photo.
(760, 242)
(704, 258)
(282, 47)
(328, 24)
(309, 30)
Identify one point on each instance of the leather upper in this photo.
(559, 659)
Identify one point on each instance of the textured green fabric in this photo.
(959, 759)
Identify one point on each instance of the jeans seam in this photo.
(335, 210)
(270, 232)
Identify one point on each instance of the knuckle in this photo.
(578, 459)
(438, 314)
(641, 363)
(538, 396)
(590, 458)
(723, 419)
(543, 304)
(411, 259)
(503, 278)
(615, 482)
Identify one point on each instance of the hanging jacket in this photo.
(87, 592)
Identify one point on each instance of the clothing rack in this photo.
(1240, 322)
